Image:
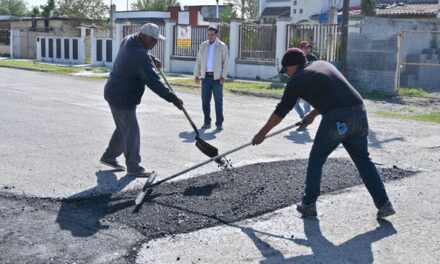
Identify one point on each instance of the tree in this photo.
(13, 7)
(228, 14)
(47, 8)
(154, 5)
(35, 11)
(249, 9)
(84, 9)
(368, 7)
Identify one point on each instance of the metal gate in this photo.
(418, 60)
(325, 39)
(159, 50)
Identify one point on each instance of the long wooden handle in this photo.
(183, 108)
(222, 155)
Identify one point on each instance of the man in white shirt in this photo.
(212, 67)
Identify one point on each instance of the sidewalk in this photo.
(346, 231)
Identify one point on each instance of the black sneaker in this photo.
(306, 209)
(219, 128)
(140, 172)
(386, 210)
(206, 126)
(112, 163)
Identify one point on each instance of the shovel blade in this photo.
(208, 149)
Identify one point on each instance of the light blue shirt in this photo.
(210, 64)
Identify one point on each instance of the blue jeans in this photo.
(209, 87)
(348, 126)
(302, 112)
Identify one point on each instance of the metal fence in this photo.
(159, 50)
(325, 39)
(198, 35)
(224, 33)
(418, 60)
(257, 43)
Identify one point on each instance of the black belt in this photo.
(210, 74)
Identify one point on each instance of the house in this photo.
(299, 10)
(414, 10)
(5, 33)
(189, 15)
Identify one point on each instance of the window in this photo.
(300, 11)
(294, 11)
(295, 2)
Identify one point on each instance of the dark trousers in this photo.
(348, 126)
(125, 138)
(210, 87)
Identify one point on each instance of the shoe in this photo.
(306, 209)
(206, 126)
(140, 172)
(386, 210)
(219, 128)
(112, 163)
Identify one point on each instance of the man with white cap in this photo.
(133, 68)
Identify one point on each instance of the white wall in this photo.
(141, 14)
(182, 66)
(252, 71)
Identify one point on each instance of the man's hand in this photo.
(197, 80)
(157, 63)
(222, 81)
(178, 103)
(309, 118)
(258, 138)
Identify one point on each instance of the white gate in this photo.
(60, 49)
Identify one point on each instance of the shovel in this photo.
(202, 145)
(150, 184)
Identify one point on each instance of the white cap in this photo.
(152, 30)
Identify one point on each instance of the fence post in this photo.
(169, 43)
(234, 40)
(93, 46)
(82, 45)
(15, 43)
(281, 44)
(116, 40)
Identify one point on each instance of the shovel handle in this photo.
(222, 155)
(183, 108)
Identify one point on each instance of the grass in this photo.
(237, 86)
(413, 92)
(433, 117)
(35, 65)
(52, 68)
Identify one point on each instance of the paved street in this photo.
(54, 130)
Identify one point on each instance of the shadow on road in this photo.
(189, 137)
(300, 137)
(355, 250)
(376, 143)
(81, 215)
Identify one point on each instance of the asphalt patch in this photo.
(221, 197)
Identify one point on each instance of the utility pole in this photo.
(217, 9)
(344, 36)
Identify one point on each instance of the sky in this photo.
(121, 5)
